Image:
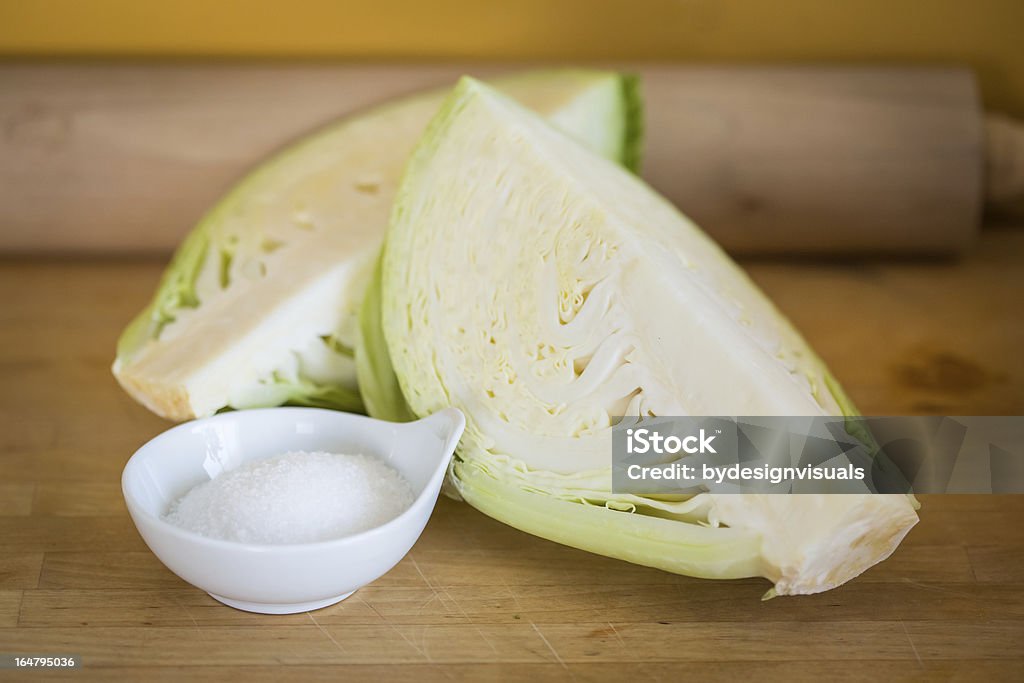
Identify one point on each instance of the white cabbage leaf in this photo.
(545, 291)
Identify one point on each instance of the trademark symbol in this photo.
(718, 431)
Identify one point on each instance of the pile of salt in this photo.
(297, 497)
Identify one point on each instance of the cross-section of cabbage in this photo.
(259, 306)
(543, 291)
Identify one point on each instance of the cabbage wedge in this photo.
(259, 304)
(544, 291)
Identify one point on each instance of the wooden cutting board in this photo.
(476, 599)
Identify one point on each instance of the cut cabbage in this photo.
(609, 120)
(544, 291)
(259, 305)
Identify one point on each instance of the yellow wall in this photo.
(988, 34)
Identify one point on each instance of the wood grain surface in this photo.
(476, 600)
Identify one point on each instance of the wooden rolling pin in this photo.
(122, 158)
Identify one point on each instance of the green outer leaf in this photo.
(336, 397)
(177, 289)
(378, 384)
(631, 156)
(691, 549)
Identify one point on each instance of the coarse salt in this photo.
(297, 497)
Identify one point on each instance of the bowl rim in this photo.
(136, 508)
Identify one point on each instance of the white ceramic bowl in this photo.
(282, 579)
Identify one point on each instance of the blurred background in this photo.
(984, 34)
(795, 128)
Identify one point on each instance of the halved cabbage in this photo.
(544, 291)
(259, 305)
